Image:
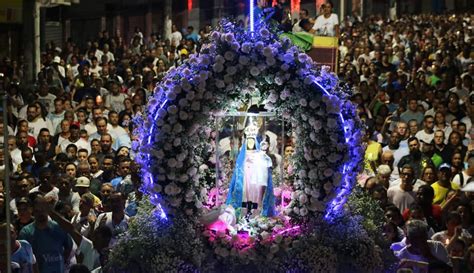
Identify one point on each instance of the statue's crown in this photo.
(251, 130)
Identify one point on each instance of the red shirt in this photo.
(435, 212)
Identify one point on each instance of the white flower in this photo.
(183, 178)
(303, 102)
(177, 142)
(219, 59)
(177, 89)
(172, 189)
(265, 235)
(270, 61)
(157, 188)
(231, 70)
(244, 60)
(303, 211)
(220, 84)
(159, 154)
(327, 186)
(274, 248)
(172, 109)
(267, 51)
(328, 172)
(177, 128)
(183, 102)
(187, 86)
(195, 106)
(180, 157)
(192, 171)
(171, 95)
(161, 177)
(313, 104)
(278, 80)
(229, 55)
(190, 95)
(302, 173)
(183, 115)
(303, 198)
(175, 202)
(309, 80)
(172, 162)
(218, 67)
(312, 136)
(254, 71)
(331, 123)
(317, 125)
(313, 174)
(166, 128)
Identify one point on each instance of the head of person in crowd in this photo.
(383, 175)
(402, 129)
(106, 143)
(407, 175)
(70, 169)
(83, 169)
(444, 174)
(74, 133)
(393, 214)
(65, 183)
(82, 185)
(95, 147)
(123, 151)
(71, 151)
(65, 210)
(438, 138)
(82, 155)
(414, 147)
(60, 162)
(429, 174)
(117, 203)
(41, 207)
(388, 159)
(457, 162)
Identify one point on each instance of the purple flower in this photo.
(229, 37)
(246, 47)
(264, 32)
(215, 35)
(302, 57)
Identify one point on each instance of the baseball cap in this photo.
(444, 166)
(56, 59)
(23, 200)
(83, 182)
(426, 139)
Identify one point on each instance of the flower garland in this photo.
(176, 132)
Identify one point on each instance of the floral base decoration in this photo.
(176, 151)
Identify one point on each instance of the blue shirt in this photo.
(24, 257)
(49, 246)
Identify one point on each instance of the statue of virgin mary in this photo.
(251, 187)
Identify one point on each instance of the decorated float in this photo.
(248, 155)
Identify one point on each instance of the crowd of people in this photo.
(75, 183)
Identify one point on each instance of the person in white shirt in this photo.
(44, 97)
(427, 134)
(176, 36)
(414, 255)
(95, 68)
(116, 220)
(90, 249)
(114, 100)
(304, 14)
(57, 116)
(36, 122)
(326, 24)
(461, 179)
(75, 139)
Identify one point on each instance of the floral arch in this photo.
(175, 145)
